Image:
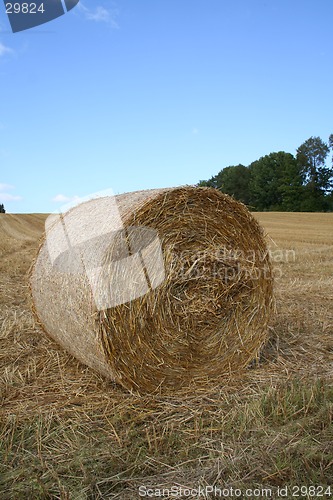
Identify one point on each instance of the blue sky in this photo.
(130, 94)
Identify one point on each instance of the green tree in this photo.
(232, 180)
(208, 183)
(311, 157)
(276, 182)
(2, 208)
(330, 143)
(291, 181)
(330, 196)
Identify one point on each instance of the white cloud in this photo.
(5, 196)
(9, 197)
(99, 14)
(5, 50)
(61, 198)
(195, 131)
(6, 187)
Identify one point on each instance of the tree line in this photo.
(2, 208)
(281, 181)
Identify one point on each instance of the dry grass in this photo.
(68, 433)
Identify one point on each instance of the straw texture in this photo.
(207, 319)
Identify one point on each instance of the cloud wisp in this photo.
(61, 198)
(99, 14)
(5, 50)
(5, 187)
(5, 196)
(9, 197)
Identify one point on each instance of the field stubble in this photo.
(68, 433)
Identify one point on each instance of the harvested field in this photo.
(67, 432)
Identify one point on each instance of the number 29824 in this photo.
(24, 8)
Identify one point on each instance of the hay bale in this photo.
(207, 318)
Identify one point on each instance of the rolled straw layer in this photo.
(207, 318)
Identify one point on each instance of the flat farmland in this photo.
(66, 432)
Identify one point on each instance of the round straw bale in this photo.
(206, 316)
